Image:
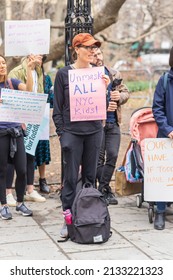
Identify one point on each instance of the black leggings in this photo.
(30, 172)
(19, 161)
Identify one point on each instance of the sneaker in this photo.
(23, 210)
(64, 232)
(10, 200)
(34, 196)
(110, 198)
(5, 213)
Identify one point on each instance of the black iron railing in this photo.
(78, 19)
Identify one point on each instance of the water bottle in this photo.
(67, 216)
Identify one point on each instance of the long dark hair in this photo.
(171, 58)
(5, 76)
(43, 60)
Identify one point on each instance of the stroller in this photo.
(142, 125)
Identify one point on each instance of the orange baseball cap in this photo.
(85, 39)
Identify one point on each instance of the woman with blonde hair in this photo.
(12, 146)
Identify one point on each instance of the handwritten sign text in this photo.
(158, 169)
(87, 94)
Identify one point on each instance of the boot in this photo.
(159, 222)
(43, 186)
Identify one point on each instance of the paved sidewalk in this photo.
(133, 237)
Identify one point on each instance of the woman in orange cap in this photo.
(80, 141)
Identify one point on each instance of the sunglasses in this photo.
(89, 48)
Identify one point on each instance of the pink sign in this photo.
(87, 94)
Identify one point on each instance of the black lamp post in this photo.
(78, 19)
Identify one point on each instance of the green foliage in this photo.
(134, 86)
(60, 64)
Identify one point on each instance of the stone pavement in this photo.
(133, 238)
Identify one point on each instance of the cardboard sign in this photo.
(22, 106)
(158, 169)
(24, 37)
(87, 94)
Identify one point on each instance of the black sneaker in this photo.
(23, 210)
(5, 213)
(110, 198)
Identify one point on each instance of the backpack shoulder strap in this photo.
(10, 83)
(165, 80)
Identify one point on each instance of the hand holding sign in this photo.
(170, 135)
(106, 79)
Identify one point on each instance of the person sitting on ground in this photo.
(111, 133)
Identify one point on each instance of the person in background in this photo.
(163, 114)
(42, 153)
(12, 145)
(19, 72)
(80, 141)
(111, 133)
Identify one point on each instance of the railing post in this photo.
(78, 19)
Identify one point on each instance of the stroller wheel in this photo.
(139, 201)
(150, 214)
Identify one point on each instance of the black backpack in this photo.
(90, 216)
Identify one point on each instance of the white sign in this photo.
(37, 132)
(24, 37)
(44, 127)
(158, 169)
(22, 106)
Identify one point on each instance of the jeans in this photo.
(161, 207)
(108, 155)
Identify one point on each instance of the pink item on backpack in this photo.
(67, 216)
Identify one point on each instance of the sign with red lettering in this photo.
(158, 169)
(87, 94)
(24, 37)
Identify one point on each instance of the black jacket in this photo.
(61, 108)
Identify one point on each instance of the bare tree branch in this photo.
(108, 15)
(124, 42)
